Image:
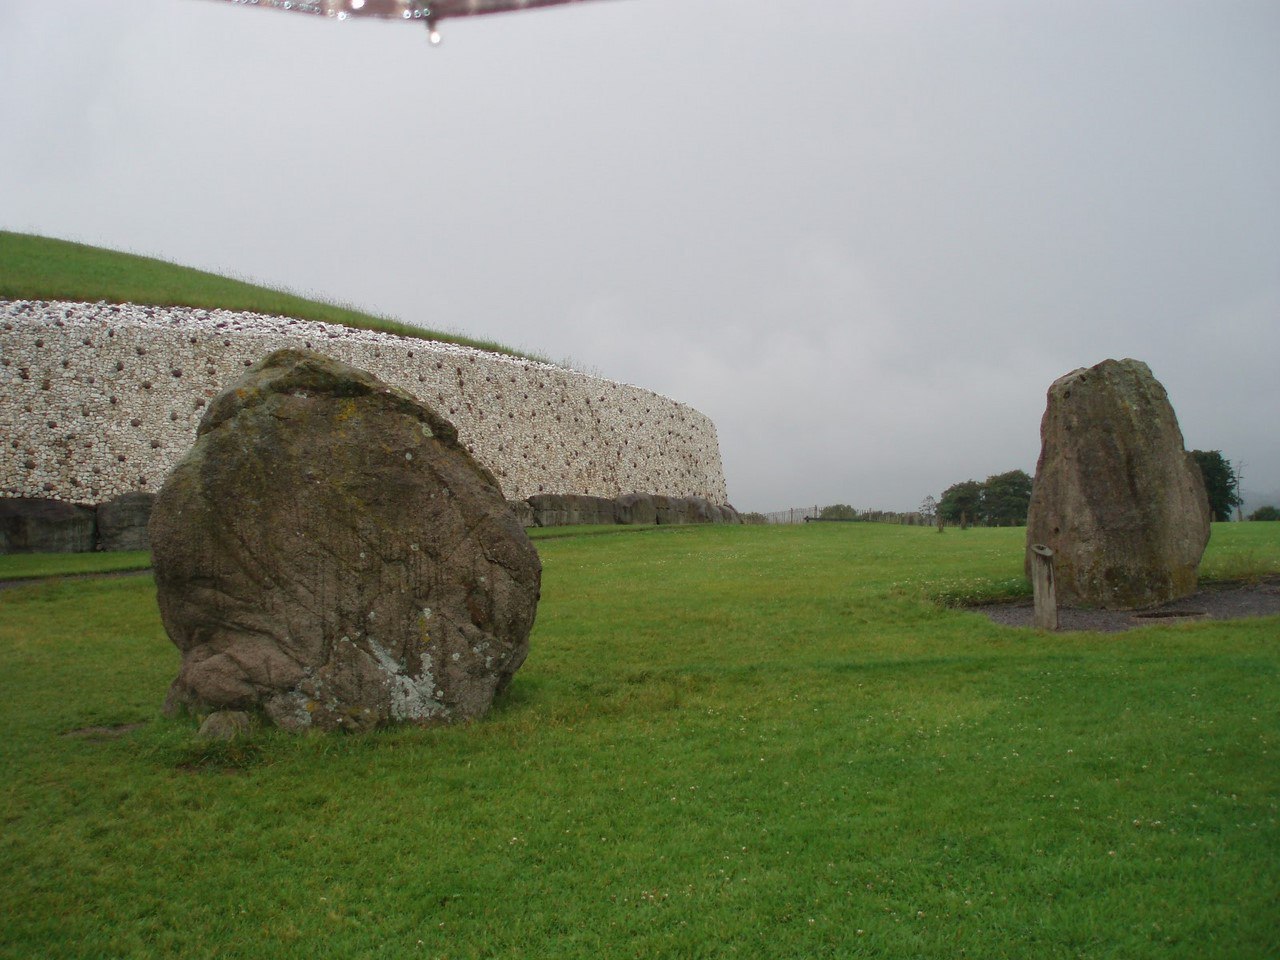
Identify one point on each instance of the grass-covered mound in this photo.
(727, 741)
(41, 268)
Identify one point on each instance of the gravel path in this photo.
(1219, 601)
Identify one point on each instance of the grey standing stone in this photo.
(1116, 495)
(328, 555)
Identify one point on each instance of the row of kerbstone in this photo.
(39, 525)
(97, 400)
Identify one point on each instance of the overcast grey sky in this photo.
(863, 237)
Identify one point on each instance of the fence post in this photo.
(1042, 588)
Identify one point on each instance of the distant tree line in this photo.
(999, 501)
(1220, 482)
(844, 512)
(1002, 500)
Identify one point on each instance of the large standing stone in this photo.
(329, 555)
(33, 525)
(1116, 496)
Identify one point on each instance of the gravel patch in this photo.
(1218, 601)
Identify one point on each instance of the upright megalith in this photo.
(1116, 495)
(328, 555)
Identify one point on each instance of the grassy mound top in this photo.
(41, 268)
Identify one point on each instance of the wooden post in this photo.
(1042, 589)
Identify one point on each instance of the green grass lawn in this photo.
(41, 268)
(727, 741)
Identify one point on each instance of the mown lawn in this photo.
(727, 741)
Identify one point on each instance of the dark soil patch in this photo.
(1216, 601)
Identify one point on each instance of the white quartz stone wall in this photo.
(100, 399)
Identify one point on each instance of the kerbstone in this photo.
(36, 525)
(123, 521)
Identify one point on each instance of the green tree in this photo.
(961, 501)
(838, 511)
(928, 510)
(1265, 513)
(1219, 482)
(1005, 499)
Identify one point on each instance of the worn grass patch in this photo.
(727, 741)
(42, 268)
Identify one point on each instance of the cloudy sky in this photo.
(863, 236)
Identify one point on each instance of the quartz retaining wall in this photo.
(99, 400)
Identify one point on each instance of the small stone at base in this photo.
(225, 725)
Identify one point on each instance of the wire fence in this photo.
(813, 514)
(791, 515)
